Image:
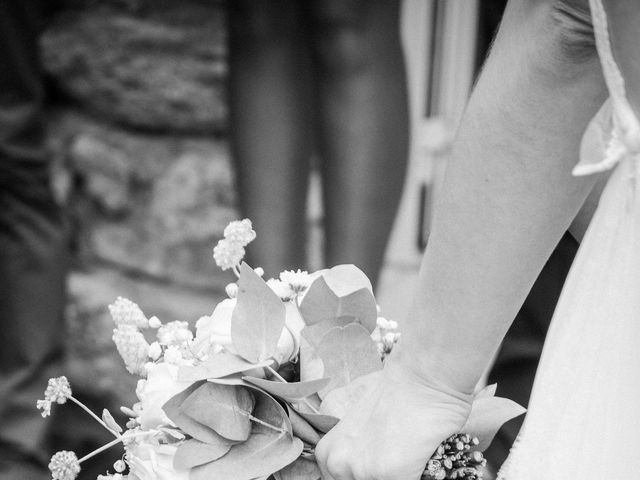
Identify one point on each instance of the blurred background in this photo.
(138, 129)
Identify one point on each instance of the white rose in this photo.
(161, 384)
(216, 331)
(216, 328)
(148, 461)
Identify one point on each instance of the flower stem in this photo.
(279, 378)
(101, 449)
(95, 417)
(236, 270)
(265, 424)
(119, 439)
(276, 374)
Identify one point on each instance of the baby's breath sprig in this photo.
(65, 465)
(229, 251)
(59, 391)
(455, 459)
(385, 335)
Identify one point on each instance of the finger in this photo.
(322, 452)
(339, 465)
(333, 458)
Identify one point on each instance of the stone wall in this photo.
(137, 133)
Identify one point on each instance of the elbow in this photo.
(573, 30)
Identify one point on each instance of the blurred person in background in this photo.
(323, 76)
(33, 257)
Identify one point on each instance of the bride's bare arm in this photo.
(508, 197)
(508, 193)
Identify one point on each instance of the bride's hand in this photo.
(391, 433)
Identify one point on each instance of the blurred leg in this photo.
(271, 94)
(363, 126)
(32, 249)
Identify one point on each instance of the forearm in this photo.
(507, 198)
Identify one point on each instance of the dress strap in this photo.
(614, 133)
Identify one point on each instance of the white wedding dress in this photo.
(584, 414)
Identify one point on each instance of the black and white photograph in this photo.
(319, 239)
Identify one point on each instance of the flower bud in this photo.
(154, 322)
(119, 466)
(155, 350)
(232, 290)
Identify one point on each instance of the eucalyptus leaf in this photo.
(187, 424)
(269, 410)
(320, 303)
(261, 455)
(289, 391)
(194, 452)
(311, 366)
(267, 450)
(319, 421)
(230, 380)
(302, 428)
(219, 365)
(487, 415)
(346, 278)
(322, 310)
(347, 353)
(258, 318)
(301, 469)
(223, 408)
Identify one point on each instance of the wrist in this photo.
(401, 364)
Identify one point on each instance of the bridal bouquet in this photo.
(250, 393)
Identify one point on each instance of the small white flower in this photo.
(162, 383)
(382, 322)
(228, 254)
(259, 271)
(173, 355)
(64, 465)
(132, 423)
(231, 290)
(151, 460)
(154, 322)
(58, 390)
(132, 347)
(282, 289)
(119, 466)
(298, 280)
(389, 338)
(385, 335)
(240, 231)
(126, 312)
(155, 350)
(174, 333)
(376, 335)
(45, 406)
